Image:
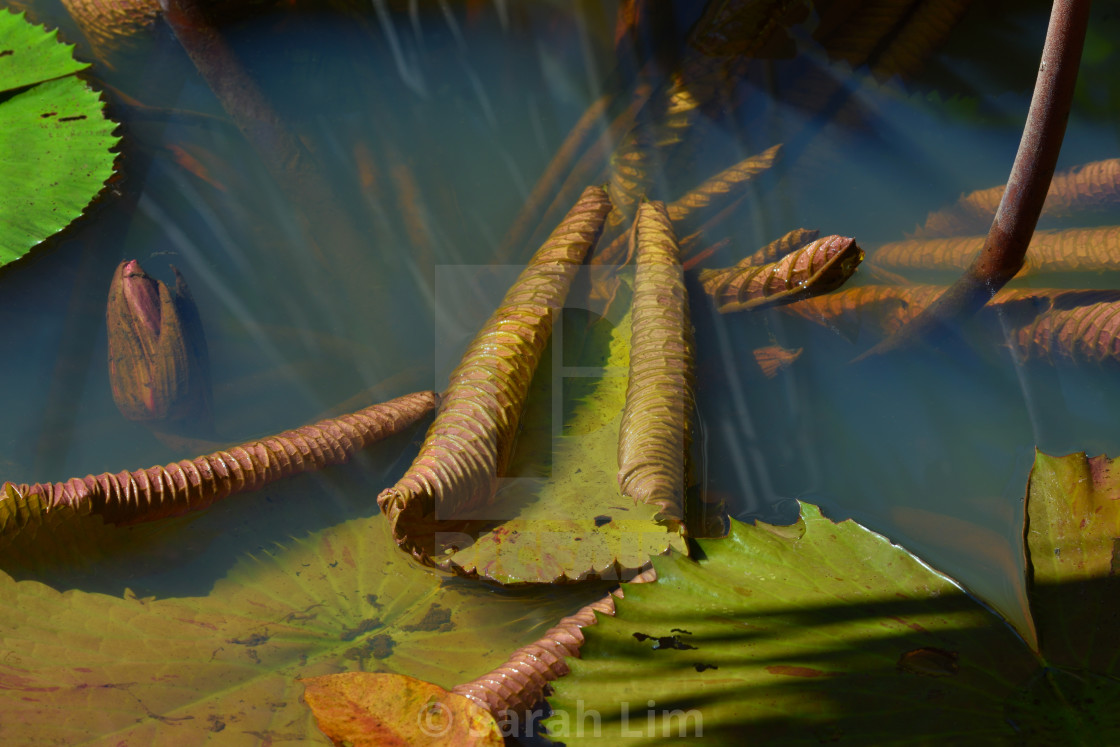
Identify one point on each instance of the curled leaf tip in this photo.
(819, 267)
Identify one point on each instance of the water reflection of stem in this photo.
(1015, 219)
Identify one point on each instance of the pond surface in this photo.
(433, 126)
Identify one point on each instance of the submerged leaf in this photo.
(54, 137)
(774, 358)
(468, 446)
(1090, 187)
(1071, 250)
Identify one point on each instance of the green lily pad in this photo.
(79, 666)
(814, 633)
(54, 138)
(575, 524)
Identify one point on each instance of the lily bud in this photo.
(158, 364)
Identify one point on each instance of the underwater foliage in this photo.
(1088, 188)
(1069, 250)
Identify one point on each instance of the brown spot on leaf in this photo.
(799, 671)
(378, 646)
(72, 119)
(700, 666)
(254, 640)
(436, 620)
(929, 662)
(365, 626)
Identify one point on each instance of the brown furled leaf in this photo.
(1070, 250)
(653, 438)
(725, 183)
(127, 498)
(780, 247)
(817, 268)
(468, 446)
(774, 358)
(367, 709)
(522, 681)
(1091, 187)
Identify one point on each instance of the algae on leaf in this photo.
(54, 138)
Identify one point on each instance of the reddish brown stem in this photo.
(1015, 219)
(191, 485)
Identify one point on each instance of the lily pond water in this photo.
(433, 122)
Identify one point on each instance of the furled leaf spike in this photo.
(468, 446)
(654, 434)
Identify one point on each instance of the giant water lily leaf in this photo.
(79, 666)
(575, 524)
(805, 634)
(54, 137)
(1073, 536)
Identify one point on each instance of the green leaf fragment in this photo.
(54, 139)
(30, 54)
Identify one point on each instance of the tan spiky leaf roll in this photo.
(1091, 187)
(125, 498)
(1071, 250)
(817, 268)
(653, 438)
(468, 446)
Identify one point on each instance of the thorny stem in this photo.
(1015, 219)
